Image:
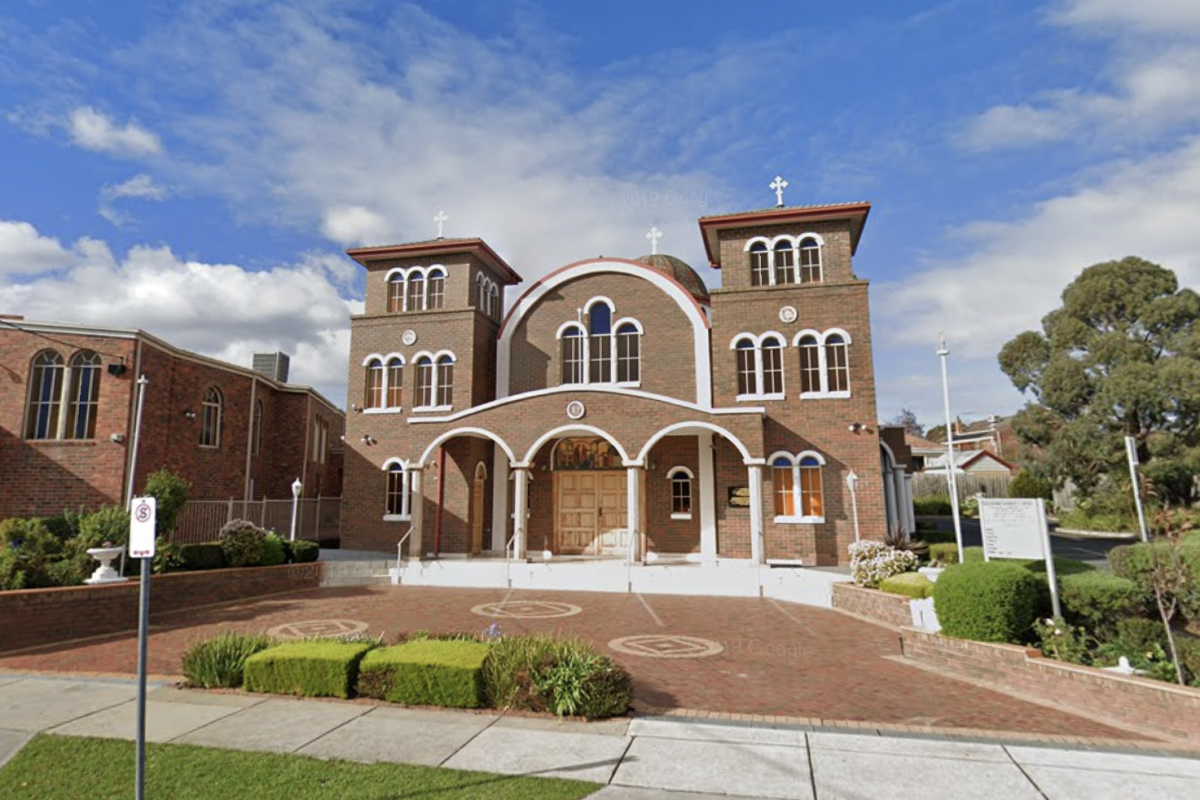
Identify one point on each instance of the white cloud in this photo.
(24, 251)
(353, 225)
(92, 130)
(220, 310)
(1170, 17)
(141, 187)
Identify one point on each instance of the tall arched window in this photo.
(629, 353)
(437, 289)
(395, 383)
(824, 363)
(493, 302)
(45, 396)
(373, 391)
(837, 363)
(785, 263)
(397, 504)
(799, 494)
(810, 365)
(573, 355)
(425, 393)
(747, 368)
(416, 292)
(784, 485)
(256, 431)
(600, 343)
(83, 395)
(396, 293)
(759, 366)
(681, 492)
(810, 260)
(772, 365)
(445, 381)
(210, 418)
(760, 265)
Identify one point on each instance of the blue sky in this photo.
(197, 168)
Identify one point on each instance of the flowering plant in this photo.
(871, 562)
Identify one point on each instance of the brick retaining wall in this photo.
(1151, 705)
(890, 609)
(34, 617)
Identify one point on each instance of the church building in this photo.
(620, 408)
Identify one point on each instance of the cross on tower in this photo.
(654, 235)
(778, 185)
(440, 219)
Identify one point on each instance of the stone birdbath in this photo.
(105, 572)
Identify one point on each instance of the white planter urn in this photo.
(105, 572)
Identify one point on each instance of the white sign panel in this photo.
(1013, 528)
(141, 527)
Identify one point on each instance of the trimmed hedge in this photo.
(995, 601)
(426, 673)
(945, 552)
(274, 551)
(1097, 600)
(932, 506)
(204, 555)
(310, 669)
(244, 543)
(931, 536)
(909, 584)
(304, 551)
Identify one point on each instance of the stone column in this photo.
(757, 554)
(520, 510)
(499, 500)
(898, 493)
(706, 497)
(908, 503)
(633, 510)
(416, 513)
(889, 495)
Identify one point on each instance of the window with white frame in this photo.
(444, 381)
(759, 362)
(681, 492)
(416, 291)
(488, 295)
(760, 264)
(437, 289)
(375, 381)
(395, 382)
(384, 382)
(494, 302)
(785, 260)
(396, 286)
(435, 381)
(83, 395)
(45, 396)
(210, 418)
(824, 363)
(784, 255)
(63, 398)
(397, 492)
(605, 351)
(797, 486)
(810, 260)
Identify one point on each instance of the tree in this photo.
(171, 493)
(1120, 357)
(907, 418)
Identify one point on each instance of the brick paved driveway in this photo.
(778, 658)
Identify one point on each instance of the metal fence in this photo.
(934, 484)
(316, 517)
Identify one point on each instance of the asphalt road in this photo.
(1091, 549)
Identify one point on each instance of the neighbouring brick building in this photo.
(68, 403)
(620, 406)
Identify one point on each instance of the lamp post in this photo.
(297, 488)
(852, 484)
(950, 465)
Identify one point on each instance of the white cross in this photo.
(440, 219)
(779, 184)
(654, 235)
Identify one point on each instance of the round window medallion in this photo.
(409, 338)
(788, 314)
(575, 410)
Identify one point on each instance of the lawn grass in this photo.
(71, 767)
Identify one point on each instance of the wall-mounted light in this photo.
(117, 437)
(187, 412)
(357, 409)
(116, 369)
(367, 439)
(858, 427)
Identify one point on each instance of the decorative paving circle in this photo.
(318, 627)
(660, 645)
(526, 609)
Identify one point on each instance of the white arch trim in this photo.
(393, 461)
(681, 470)
(612, 307)
(838, 331)
(479, 433)
(779, 337)
(566, 326)
(627, 321)
(764, 241)
(435, 356)
(686, 303)
(784, 239)
(743, 336)
(795, 458)
(372, 357)
(810, 453)
(791, 457)
(393, 356)
(667, 431)
(820, 337)
(569, 430)
(811, 235)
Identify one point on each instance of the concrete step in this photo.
(357, 573)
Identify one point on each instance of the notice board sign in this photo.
(1013, 528)
(739, 496)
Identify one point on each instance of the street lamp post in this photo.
(852, 484)
(950, 465)
(297, 488)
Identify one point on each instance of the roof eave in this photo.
(363, 255)
(710, 226)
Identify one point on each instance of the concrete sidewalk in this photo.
(642, 758)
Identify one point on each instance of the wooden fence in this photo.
(316, 518)
(933, 484)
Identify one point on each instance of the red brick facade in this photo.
(511, 395)
(44, 475)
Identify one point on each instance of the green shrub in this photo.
(944, 552)
(1097, 600)
(33, 549)
(909, 584)
(520, 673)
(107, 524)
(584, 684)
(304, 551)
(65, 525)
(426, 673)
(1056, 639)
(973, 555)
(171, 493)
(1139, 635)
(1062, 566)
(12, 576)
(933, 536)
(310, 669)
(996, 601)
(969, 508)
(1188, 649)
(220, 662)
(273, 551)
(243, 543)
(932, 506)
(1028, 485)
(168, 557)
(202, 555)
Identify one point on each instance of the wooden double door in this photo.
(591, 512)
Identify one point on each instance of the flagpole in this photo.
(950, 465)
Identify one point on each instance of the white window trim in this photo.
(220, 406)
(437, 377)
(384, 409)
(823, 366)
(797, 494)
(759, 373)
(671, 473)
(487, 295)
(794, 241)
(405, 495)
(614, 326)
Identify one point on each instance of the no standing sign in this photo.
(141, 527)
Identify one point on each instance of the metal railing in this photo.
(316, 517)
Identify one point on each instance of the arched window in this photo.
(416, 292)
(445, 381)
(493, 302)
(772, 365)
(824, 363)
(396, 293)
(210, 418)
(785, 263)
(437, 289)
(83, 395)
(600, 343)
(373, 391)
(45, 396)
(759, 366)
(747, 368)
(681, 492)
(760, 265)
(256, 431)
(810, 260)
(573, 355)
(837, 363)
(395, 382)
(629, 353)
(810, 365)
(799, 494)
(397, 505)
(425, 392)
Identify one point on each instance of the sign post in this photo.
(1132, 455)
(1018, 529)
(142, 521)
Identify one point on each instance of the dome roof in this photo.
(680, 271)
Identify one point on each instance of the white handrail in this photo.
(510, 543)
(400, 545)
